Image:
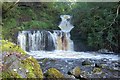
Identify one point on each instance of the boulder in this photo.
(17, 64)
(97, 70)
(86, 63)
(53, 73)
(76, 71)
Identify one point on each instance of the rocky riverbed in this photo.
(89, 68)
(16, 63)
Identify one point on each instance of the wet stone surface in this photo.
(90, 68)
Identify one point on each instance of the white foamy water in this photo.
(72, 55)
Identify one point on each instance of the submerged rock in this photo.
(53, 73)
(104, 51)
(17, 64)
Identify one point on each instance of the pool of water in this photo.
(72, 54)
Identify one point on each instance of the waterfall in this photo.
(55, 43)
(45, 40)
(22, 40)
(36, 40)
(62, 41)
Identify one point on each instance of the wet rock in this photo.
(97, 70)
(85, 63)
(99, 65)
(76, 71)
(106, 66)
(104, 51)
(103, 66)
(104, 60)
(69, 73)
(84, 74)
(53, 73)
(69, 77)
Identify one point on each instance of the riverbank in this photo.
(89, 68)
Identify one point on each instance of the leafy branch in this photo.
(117, 13)
(10, 7)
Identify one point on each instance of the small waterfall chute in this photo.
(22, 39)
(65, 24)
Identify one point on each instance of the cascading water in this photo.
(43, 44)
(46, 40)
(66, 27)
(22, 40)
(35, 40)
(62, 41)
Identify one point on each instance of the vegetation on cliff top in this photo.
(96, 24)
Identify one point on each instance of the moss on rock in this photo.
(33, 68)
(10, 47)
(97, 70)
(17, 64)
(10, 74)
(53, 73)
(76, 71)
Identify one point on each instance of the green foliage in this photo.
(9, 20)
(9, 10)
(29, 12)
(8, 28)
(92, 21)
(35, 25)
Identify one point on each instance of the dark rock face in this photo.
(79, 46)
